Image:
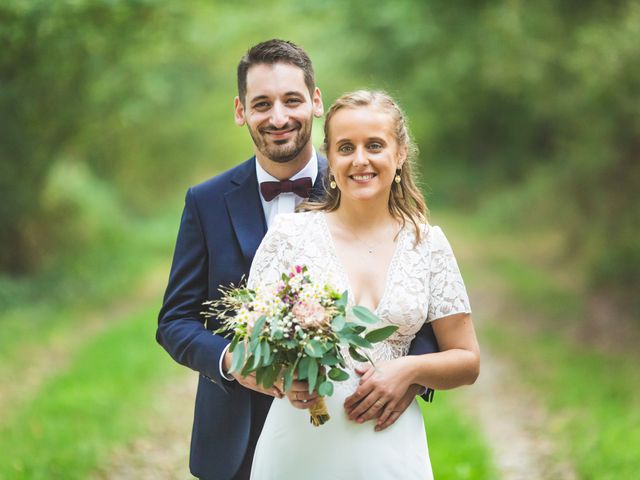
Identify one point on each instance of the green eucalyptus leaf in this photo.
(358, 340)
(365, 315)
(356, 355)
(257, 356)
(270, 374)
(325, 389)
(343, 300)
(234, 342)
(329, 360)
(380, 334)
(338, 374)
(266, 353)
(238, 359)
(338, 323)
(303, 367)
(314, 348)
(257, 329)
(288, 377)
(312, 374)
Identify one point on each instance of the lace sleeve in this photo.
(271, 258)
(447, 293)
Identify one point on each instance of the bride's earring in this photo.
(333, 183)
(397, 178)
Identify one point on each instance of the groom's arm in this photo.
(181, 329)
(425, 342)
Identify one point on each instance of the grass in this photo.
(592, 396)
(100, 401)
(456, 448)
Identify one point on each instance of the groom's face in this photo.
(278, 110)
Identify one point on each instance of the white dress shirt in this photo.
(283, 203)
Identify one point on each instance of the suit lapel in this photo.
(245, 207)
(245, 210)
(318, 190)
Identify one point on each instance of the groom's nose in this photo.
(279, 116)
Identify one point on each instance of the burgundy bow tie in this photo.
(300, 186)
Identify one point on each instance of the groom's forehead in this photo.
(274, 80)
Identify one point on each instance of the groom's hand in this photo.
(250, 380)
(300, 397)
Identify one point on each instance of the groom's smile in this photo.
(278, 110)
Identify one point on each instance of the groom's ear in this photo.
(238, 109)
(318, 107)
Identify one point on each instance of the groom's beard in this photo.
(282, 151)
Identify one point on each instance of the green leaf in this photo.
(303, 366)
(257, 356)
(343, 300)
(257, 329)
(259, 374)
(338, 375)
(325, 389)
(238, 359)
(365, 315)
(312, 374)
(380, 334)
(358, 340)
(314, 348)
(357, 355)
(247, 366)
(234, 342)
(266, 353)
(270, 375)
(288, 377)
(338, 323)
(329, 360)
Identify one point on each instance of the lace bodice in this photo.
(423, 281)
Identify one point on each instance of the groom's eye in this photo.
(261, 105)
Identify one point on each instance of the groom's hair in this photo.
(272, 52)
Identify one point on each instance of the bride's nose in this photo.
(360, 157)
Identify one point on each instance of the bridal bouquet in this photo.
(294, 329)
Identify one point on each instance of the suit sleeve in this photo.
(181, 330)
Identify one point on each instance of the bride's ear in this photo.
(402, 156)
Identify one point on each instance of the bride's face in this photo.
(363, 153)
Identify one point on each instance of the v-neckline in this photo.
(343, 269)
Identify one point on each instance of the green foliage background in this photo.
(527, 115)
(526, 109)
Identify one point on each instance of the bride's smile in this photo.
(363, 153)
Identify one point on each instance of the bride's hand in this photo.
(385, 392)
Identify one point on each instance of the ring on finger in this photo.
(378, 404)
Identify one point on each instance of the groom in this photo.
(223, 222)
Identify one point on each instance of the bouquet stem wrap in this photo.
(318, 413)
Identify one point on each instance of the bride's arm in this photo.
(457, 364)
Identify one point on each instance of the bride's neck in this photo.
(362, 216)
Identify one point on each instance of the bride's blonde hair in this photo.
(406, 201)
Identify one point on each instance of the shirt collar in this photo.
(309, 170)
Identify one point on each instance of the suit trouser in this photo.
(260, 408)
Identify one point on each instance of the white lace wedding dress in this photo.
(423, 284)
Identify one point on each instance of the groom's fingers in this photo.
(361, 392)
(388, 422)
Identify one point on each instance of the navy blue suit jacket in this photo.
(222, 225)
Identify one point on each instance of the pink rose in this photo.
(310, 314)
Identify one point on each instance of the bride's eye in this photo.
(345, 148)
(375, 146)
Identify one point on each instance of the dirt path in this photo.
(46, 361)
(163, 453)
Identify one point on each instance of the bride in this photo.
(370, 237)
